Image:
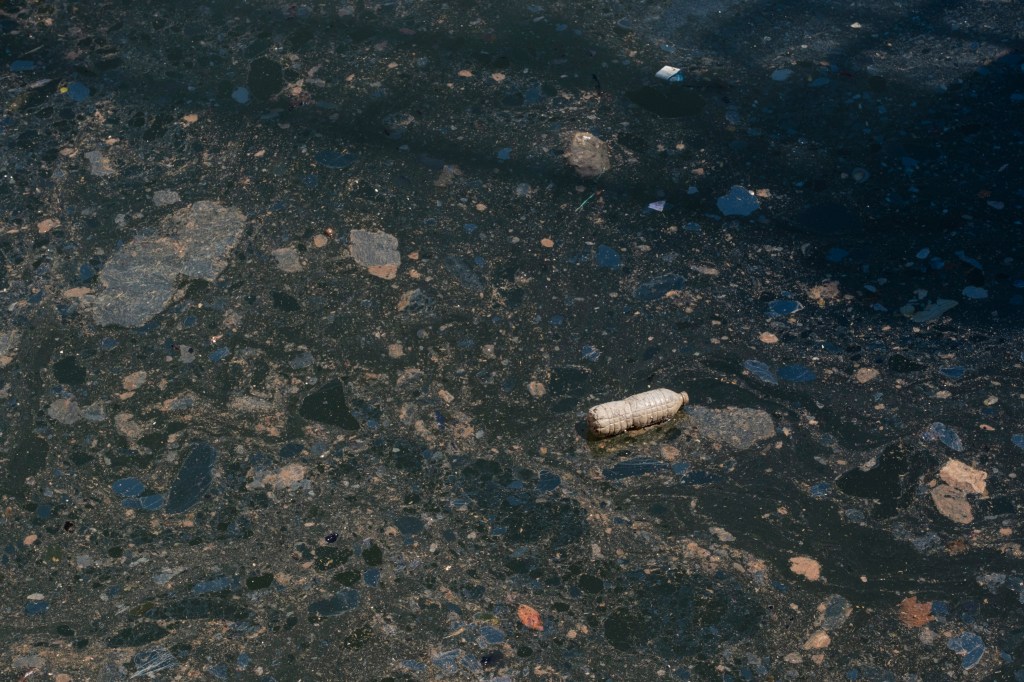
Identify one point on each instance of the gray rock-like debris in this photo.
(64, 410)
(141, 279)
(165, 197)
(740, 428)
(9, 341)
(375, 251)
(588, 154)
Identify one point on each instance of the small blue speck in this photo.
(796, 374)
(78, 92)
(128, 487)
(782, 308)
(607, 257)
(836, 255)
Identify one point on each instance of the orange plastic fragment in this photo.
(530, 618)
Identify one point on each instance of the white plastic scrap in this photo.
(670, 73)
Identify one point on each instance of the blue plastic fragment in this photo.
(970, 261)
(151, 661)
(607, 257)
(953, 372)
(836, 255)
(590, 353)
(783, 307)
(78, 92)
(448, 661)
(820, 490)
(219, 354)
(796, 374)
(761, 371)
(547, 481)
(129, 487)
(943, 434)
(968, 645)
(336, 160)
(505, 153)
(739, 201)
(975, 293)
(145, 503)
(194, 477)
(241, 95)
(1018, 440)
(491, 635)
(22, 65)
(657, 287)
(151, 502)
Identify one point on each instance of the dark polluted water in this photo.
(304, 306)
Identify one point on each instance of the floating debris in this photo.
(738, 201)
(141, 279)
(658, 287)
(670, 74)
(796, 374)
(970, 646)
(635, 412)
(761, 371)
(194, 478)
(784, 307)
(530, 618)
(738, 427)
(806, 567)
(939, 432)
(375, 251)
(588, 155)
